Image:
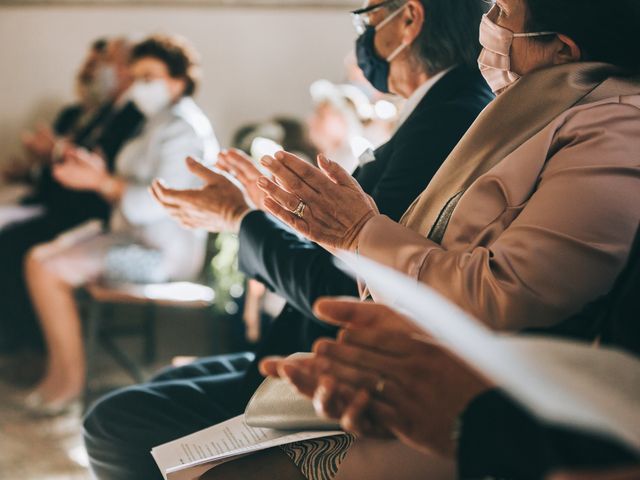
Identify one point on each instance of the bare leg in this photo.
(272, 463)
(55, 305)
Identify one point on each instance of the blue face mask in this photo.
(374, 68)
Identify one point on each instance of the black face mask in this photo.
(374, 68)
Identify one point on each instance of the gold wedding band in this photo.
(299, 211)
(380, 386)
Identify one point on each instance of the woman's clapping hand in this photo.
(383, 375)
(335, 206)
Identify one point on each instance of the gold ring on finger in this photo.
(380, 384)
(299, 211)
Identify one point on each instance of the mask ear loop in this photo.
(396, 52)
(533, 34)
(382, 24)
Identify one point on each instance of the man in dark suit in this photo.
(439, 77)
(111, 126)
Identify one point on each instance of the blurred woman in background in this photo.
(143, 244)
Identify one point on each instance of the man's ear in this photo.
(567, 50)
(413, 19)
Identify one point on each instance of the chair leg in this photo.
(94, 319)
(122, 358)
(150, 352)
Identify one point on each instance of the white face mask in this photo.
(495, 58)
(150, 97)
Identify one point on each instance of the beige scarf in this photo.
(509, 121)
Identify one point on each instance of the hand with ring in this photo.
(383, 374)
(326, 204)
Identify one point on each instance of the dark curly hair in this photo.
(176, 53)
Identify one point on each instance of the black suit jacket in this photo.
(67, 119)
(106, 132)
(302, 271)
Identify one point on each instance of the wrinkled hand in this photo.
(218, 206)
(241, 166)
(382, 375)
(40, 143)
(81, 170)
(336, 206)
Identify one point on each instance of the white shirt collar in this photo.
(417, 96)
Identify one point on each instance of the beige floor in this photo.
(38, 449)
(51, 449)
(45, 448)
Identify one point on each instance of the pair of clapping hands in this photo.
(39, 145)
(72, 166)
(82, 170)
(324, 204)
(382, 376)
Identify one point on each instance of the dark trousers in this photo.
(18, 325)
(121, 429)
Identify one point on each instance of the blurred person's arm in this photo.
(40, 143)
(87, 171)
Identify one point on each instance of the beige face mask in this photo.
(495, 58)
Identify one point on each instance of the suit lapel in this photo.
(446, 88)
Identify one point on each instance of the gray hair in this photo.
(449, 35)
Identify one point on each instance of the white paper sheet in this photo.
(189, 457)
(563, 382)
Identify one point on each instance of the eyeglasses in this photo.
(361, 18)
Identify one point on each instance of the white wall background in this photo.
(257, 61)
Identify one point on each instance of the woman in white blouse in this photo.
(142, 243)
